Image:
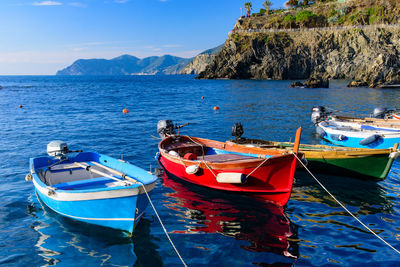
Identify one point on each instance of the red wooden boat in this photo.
(217, 165)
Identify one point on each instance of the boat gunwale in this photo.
(233, 164)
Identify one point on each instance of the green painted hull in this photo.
(369, 164)
(371, 167)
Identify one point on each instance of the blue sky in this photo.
(40, 37)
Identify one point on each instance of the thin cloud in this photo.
(121, 1)
(77, 4)
(171, 45)
(47, 3)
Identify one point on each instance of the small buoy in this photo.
(192, 169)
(20, 106)
(369, 140)
(125, 110)
(216, 108)
(173, 153)
(202, 97)
(28, 177)
(231, 178)
(338, 137)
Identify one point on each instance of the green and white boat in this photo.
(362, 163)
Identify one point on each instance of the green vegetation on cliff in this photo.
(326, 14)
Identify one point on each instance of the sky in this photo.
(39, 37)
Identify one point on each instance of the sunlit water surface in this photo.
(209, 228)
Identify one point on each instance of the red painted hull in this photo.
(271, 179)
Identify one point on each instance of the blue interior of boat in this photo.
(216, 151)
(368, 127)
(99, 182)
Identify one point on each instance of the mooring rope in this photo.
(365, 226)
(162, 225)
(209, 168)
(257, 167)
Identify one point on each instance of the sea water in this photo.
(208, 228)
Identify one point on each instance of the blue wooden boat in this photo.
(357, 136)
(91, 187)
(358, 133)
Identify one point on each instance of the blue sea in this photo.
(208, 228)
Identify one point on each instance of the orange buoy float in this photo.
(202, 97)
(20, 106)
(125, 111)
(216, 108)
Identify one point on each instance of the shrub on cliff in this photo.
(289, 20)
(305, 16)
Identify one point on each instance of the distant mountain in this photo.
(200, 62)
(126, 65)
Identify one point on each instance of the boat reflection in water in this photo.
(62, 241)
(263, 225)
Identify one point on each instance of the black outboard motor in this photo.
(380, 113)
(165, 127)
(237, 130)
(318, 114)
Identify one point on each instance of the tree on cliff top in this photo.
(292, 3)
(267, 5)
(248, 6)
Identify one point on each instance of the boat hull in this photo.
(77, 193)
(371, 164)
(374, 167)
(270, 179)
(117, 213)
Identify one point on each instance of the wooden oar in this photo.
(97, 171)
(115, 172)
(297, 141)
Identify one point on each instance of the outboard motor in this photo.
(318, 114)
(380, 113)
(165, 127)
(57, 149)
(237, 130)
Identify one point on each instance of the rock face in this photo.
(200, 62)
(126, 65)
(317, 81)
(367, 56)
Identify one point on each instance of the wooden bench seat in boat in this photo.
(84, 184)
(218, 158)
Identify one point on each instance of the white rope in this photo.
(366, 227)
(257, 167)
(165, 230)
(209, 168)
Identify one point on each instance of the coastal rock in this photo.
(370, 55)
(357, 84)
(297, 84)
(317, 81)
(200, 62)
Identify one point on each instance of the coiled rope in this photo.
(162, 225)
(365, 226)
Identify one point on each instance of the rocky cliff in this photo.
(368, 55)
(200, 62)
(358, 40)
